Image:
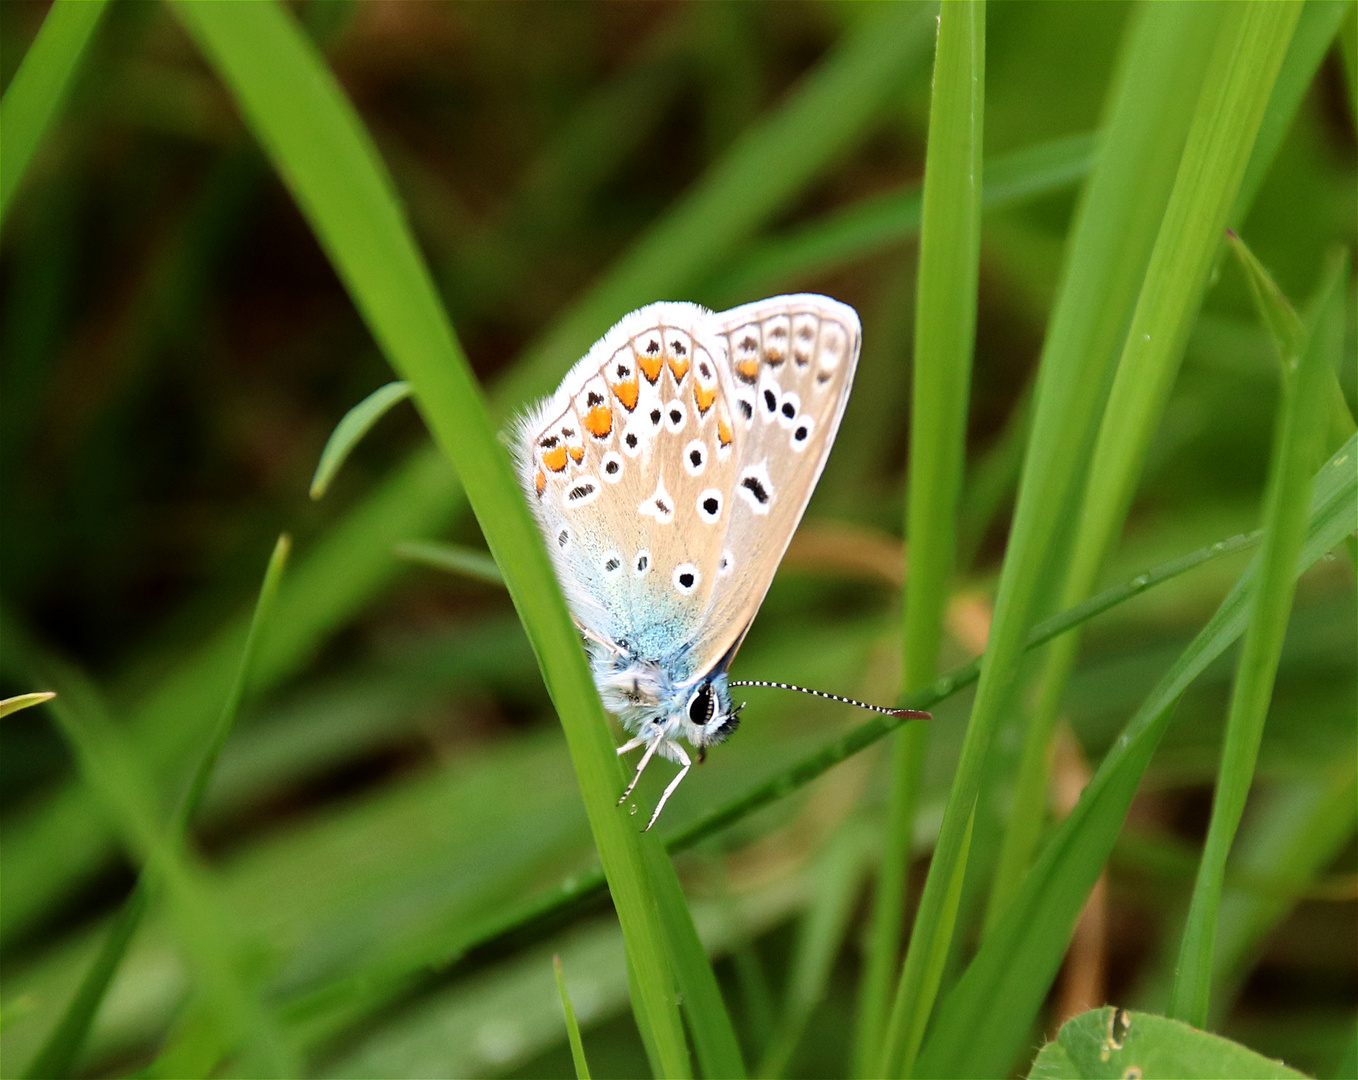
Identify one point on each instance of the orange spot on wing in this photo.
(599, 421)
(723, 431)
(650, 366)
(773, 355)
(577, 453)
(540, 482)
(679, 366)
(555, 458)
(627, 390)
(748, 369)
(703, 398)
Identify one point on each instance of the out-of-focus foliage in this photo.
(396, 798)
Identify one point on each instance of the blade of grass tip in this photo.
(1296, 442)
(1230, 107)
(321, 149)
(356, 423)
(59, 1052)
(1288, 332)
(821, 932)
(805, 134)
(581, 889)
(1112, 237)
(453, 558)
(572, 1027)
(945, 334)
(24, 701)
(40, 86)
(205, 932)
(1014, 967)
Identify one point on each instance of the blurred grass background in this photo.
(176, 348)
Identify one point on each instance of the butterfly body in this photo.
(668, 473)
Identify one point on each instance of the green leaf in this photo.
(320, 148)
(972, 1035)
(453, 558)
(24, 701)
(572, 1028)
(40, 86)
(357, 422)
(1116, 1044)
(1297, 442)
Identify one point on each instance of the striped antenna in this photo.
(911, 714)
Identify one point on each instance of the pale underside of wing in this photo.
(791, 362)
(630, 468)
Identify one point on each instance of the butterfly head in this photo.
(709, 717)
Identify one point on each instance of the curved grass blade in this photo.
(320, 148)
(1019, 957)
(24, 701)
(356, 423)
(452, 558)
(1248, 53)
(59, 1053)
(572, 1026)
(1296, 444)
(40, 86)
(945, 334)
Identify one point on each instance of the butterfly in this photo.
(668, 474)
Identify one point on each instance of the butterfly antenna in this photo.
(913, 714)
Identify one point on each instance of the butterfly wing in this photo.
(630, 468)
(791, 361)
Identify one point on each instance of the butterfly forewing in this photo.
(631, 467)
(791, 363)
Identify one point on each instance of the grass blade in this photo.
(945, 333)
(452, 558)
(572, 1027)
(62, 1048)
(1113, 235)
(1296, 443)
(24, 701)
(40, 86)
(320, 148)
(1020, 955)
(356, 423)
(1249, 51)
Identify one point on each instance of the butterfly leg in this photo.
(641, 767)
(631, 744)
(688, 764)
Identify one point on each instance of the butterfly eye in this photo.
(702, 705)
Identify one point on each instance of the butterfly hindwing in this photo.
(630, 468)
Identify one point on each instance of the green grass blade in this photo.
(62, 1048)
(1113, 233)
(356, 423)
(320, 148)
(572, 1027)
(24, 701)
(453, 559)
(40, 86)
(879, 222)
(820, 118)
(1019, 957)
(1235, 92)
(1296, 444)
(945, 334)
